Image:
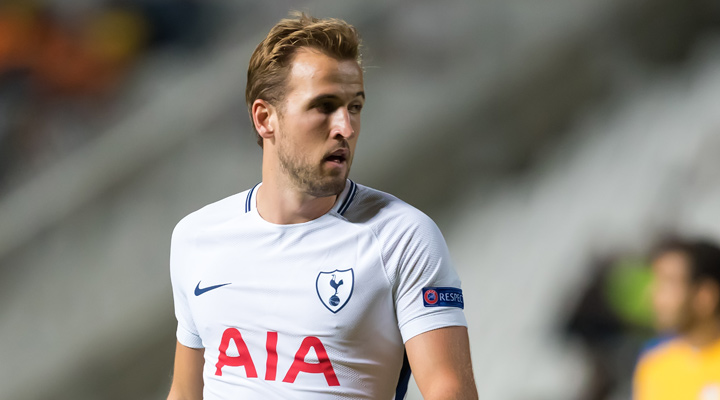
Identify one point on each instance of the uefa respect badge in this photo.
(443, 297)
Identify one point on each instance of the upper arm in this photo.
(440, 361)
(187, 383)
(429, 307)
(417, 260)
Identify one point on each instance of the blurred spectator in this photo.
(686, 300)
(613, 319)
(181, 23)
(76, 60)
(50, 60)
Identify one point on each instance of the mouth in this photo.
(337, 157)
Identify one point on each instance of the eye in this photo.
(326, 107)
(355, 108)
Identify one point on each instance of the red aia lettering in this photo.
(272, 357)
(323, 365)
(243, 359)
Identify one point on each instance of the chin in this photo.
(330, 186)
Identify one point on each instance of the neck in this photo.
(703, 333)
(282, 204)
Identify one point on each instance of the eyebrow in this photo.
(333, 96)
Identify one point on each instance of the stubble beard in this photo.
(309, 177)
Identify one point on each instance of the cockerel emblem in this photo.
(335, 288)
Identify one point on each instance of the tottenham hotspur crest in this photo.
(335, 288)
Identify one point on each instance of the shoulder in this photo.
(655, 343)
(660, 353)
(385, 213)
(402, 230)
(214, 213)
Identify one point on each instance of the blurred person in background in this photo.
(612, 319)
(686, 299)
(308, 285)
(48, 66)
(63, 64)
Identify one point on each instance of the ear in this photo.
(264, 117)
(707, 298)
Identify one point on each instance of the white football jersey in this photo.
(316, 310)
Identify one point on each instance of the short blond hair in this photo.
(270, 62)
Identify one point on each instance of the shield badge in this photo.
(335, 288)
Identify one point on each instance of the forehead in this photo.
(672, 264)
(313, 72)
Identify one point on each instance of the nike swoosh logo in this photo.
(199, 291)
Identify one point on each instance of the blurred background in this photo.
(552, 141)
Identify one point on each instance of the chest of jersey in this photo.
(310, 306)
(684, 373)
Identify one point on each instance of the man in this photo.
(308, 285)
(686, 298)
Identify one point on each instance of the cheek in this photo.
(303, 123)
(304, 134)
(313, 119)
(355, 122)
(669, 298)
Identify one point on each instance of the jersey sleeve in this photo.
(653, 380)
(180, 254)
(640, 387)
(427, 290)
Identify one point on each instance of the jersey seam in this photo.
(382, 259)
(377, 241)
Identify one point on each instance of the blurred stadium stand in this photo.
(535, 134)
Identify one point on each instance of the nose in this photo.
(341, 124)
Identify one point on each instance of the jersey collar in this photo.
(341, 204)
